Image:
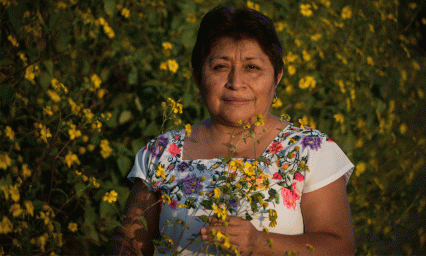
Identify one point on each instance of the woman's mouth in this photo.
(236, 101)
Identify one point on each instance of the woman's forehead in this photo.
(229, 48)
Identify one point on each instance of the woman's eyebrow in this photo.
(228, 58)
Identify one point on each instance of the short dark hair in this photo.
(236, 23)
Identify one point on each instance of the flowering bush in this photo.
(80, 87)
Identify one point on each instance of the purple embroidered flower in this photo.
(182, 166)
(313, 143)
(191, 184)
(158, 147)
(233, 202)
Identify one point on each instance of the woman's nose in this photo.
(235, 80)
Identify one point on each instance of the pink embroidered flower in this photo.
(299, 177)
(330, 140)
(275, 147)
(176, 137)
(171, 167)
(173, 203)
(156, 184)
(174, 149)
(276, 176)
(290, 197)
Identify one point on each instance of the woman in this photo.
(237, 64)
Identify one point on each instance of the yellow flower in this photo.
(48, 110)
(31, 72)
(72, 226)
(188, 130)
(109, 31)
(96, 81)
(339, 118)
(181, 205)
(26, 172)
(73, 133)
(220, 212)
(277, 104)
(6, 226)
(253, 6)
(249, 169)
(291, 69)
(16, 210)
(307, 82)
(9, 133)
(160, 172)
(172, 65)
(163, 66)
(315, 37)
(346, 12)
(216, 192)
(101, 93)
(370, 61)
(106, 150)
(279, 26)
(110, 196)
(125, 12)
(360, 168)
(403, 129)
(54, 96)
(272, 218)
(13, 40)
(58, 86)
(306, 56)
(416, 65)
(97, 125)
(166, 199)
(14, 193)
(90, 147)
(412, 5)
(5, 161)
(71, 158)
(167, 46)
(30, 208)
(305, 10)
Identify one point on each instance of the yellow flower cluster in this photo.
(272, 218)
(106, 150)
(170, 65)
(220, 212)
(160, 172)
(71, 158)
(9, 133)
(305, 10)
(176, 106)
(253, 6)
(307, 82)
(72, 227)
(110, 196)
(44, 131)
(167, 46)
(13, 40)
(222, 237)
(107, 29)
(346, 12)
(72, 131)
(6, 226)
(125, 12)
(11, 192)
(31, 72)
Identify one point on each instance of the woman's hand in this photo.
(242, 234)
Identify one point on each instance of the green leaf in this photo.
(90, 215)
(113, 224)
(143, 221)
(6, 94)
(133, 76)
(6, 62)
(188, 37)
(125, 116)
(124, 165)
(63, 40)
(204, 218)
(106, 209)
(207, 204)
(15, 14)
(109, 7)
(79, 189)
(45, 80)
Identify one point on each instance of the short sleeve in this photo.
(327, 164)
(140, 167)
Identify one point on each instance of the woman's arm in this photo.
(327, 223)
(134, 239)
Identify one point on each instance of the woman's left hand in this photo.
(242, 234)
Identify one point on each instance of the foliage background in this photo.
(82, 83)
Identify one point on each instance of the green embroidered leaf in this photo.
(207, 204)
(204, 218)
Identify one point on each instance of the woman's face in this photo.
(237, 81)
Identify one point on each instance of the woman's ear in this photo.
(280, 75)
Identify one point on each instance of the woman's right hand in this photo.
(133, 238)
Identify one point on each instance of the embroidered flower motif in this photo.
(275, 147)
(156, 184)
(182, 167)
(313, 143)
(191, 184)
(173, 204)
(290, 196)
(174, 149)
(299, 177)
(276, 176)
(158, 148)
(330, 140)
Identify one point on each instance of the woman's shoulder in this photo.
(302, 136)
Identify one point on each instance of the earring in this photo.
(275, 98)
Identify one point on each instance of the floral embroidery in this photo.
(276, 176)
(313, 142)
(275, 147)
(174, 150)
(299, 177)
(182, 167)
(173, 203)
(158, 148)
(290, 196)
(191, 184)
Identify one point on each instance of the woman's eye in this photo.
(219, 66)
(252, 67)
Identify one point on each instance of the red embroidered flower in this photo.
(173, 203)
(299, 177)
(290, 197)
(330, 140)
(285, 166)
(174, 149)
(275, 147)
(156, 184)
(276, 176)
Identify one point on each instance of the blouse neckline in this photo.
(183, 135)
